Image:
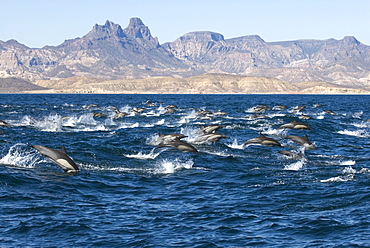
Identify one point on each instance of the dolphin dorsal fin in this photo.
(64, 150)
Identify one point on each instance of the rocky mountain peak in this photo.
(102, 32)
(350, 40)
(202, 36)
(15, 44)
(137, 29)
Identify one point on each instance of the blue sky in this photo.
(49, 22)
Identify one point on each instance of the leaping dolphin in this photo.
(209, 129)
(59, 157)
(295, 125)
(303, 141)
(180, 145)
(210, 138)
(263, 140)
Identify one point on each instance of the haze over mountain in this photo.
(110, 52)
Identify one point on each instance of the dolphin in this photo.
(304, 117)
(170, 110)
(263, 140)
(164, 138)
(330, 112)
(138, 110)
(220, 113)
(295, 125)
(118, 113)
(209, 129)
(180, 145)
(299, 108)
(171, 106)
(4, 124)
(59, 157)
(303, 141)
(261, 108)
(292, 155)
(93, 105)
(98, 114)
(204, 113)
(210, 138)
(279, 107)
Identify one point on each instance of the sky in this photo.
(38, 23)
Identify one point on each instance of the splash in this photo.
(186, 119)
(19, 155)
(152, 140)
(171, 166)
(348, 162)
(363, 124)
(236, 145)
(357, 133)
(295, 166)
(140, 155)
(51, 123)
(348, 170)
(275, 132)
(191, 133)
(337, 179)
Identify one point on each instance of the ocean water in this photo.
(130, 193)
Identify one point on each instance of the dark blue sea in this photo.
(131, 193)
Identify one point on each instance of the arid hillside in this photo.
(202, 84)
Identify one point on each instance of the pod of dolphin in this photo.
(207, 134)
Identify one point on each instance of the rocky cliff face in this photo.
(110, 52)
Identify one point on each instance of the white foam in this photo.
(19, 155)
(191, 133)
(357, 133)
(338, 179)
(236, 145)
(170, 166)
(275, 132)
(363, 124)
(161, 122)
(129, 125)
(295, 166)
(348, 170)
(151, 155)
(186, 119)
(27, 121)
(348, 162)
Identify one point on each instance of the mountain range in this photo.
(109, 52)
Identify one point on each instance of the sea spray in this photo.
(20, 155)
(169, 166)
(140, 155)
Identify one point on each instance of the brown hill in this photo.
(202, 84)
(16, 85)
